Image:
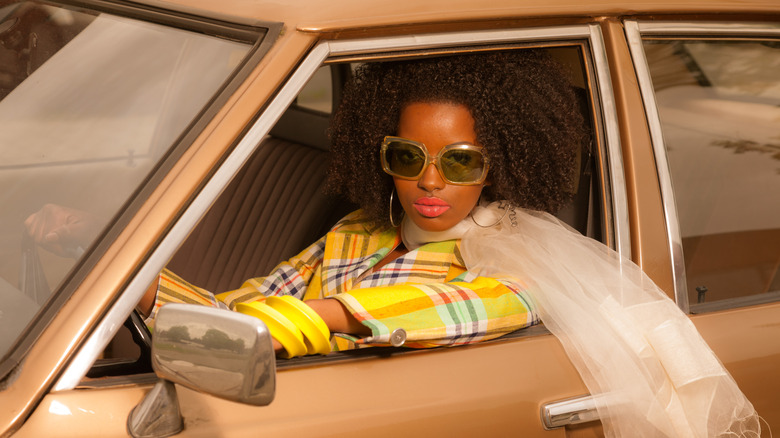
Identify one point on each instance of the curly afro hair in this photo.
(525, 110)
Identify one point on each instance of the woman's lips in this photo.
(431, 207)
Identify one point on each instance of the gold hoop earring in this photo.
(392, 222)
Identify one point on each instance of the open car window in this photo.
(238, 239)
(91, 103)
(274, 207)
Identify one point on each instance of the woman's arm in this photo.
(291, 277)
(435, 314)
(147, 301)
(338, 317)
(335, 315)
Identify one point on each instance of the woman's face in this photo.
(430, 202)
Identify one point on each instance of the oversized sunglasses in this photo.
(458, 163)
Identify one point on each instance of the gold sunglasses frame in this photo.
(434, 160)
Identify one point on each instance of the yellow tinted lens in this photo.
(462, 165)
(404, 159)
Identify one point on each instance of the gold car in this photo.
(192, 134)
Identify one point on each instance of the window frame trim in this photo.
(635, 30)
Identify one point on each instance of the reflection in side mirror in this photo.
(219, 352)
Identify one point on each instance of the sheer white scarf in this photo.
(649, 370)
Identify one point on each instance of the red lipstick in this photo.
(431, 207)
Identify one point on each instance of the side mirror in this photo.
(219, 352)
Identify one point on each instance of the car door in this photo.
(710, 91)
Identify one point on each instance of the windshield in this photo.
(89, 103)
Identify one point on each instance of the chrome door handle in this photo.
(570, 411)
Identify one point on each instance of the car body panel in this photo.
(746, 341)
(506, 404)
(309, 16)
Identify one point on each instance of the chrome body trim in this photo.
(662, 164)
(126, 302)
(614, 153)
(731, 303)
(158, 415)
(395, 44)
(216, 351)
(704, 29)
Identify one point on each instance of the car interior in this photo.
(255, 223)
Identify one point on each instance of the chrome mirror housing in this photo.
(219, 352)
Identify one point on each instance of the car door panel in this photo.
(443, 391)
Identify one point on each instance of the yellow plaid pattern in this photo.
(427, 292)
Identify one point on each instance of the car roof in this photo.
(336, 15)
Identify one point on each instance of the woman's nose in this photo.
(430, 180)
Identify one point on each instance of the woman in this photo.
(419, 108)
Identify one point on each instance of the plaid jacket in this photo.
(428, 292)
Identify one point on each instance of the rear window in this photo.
(719, 105)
